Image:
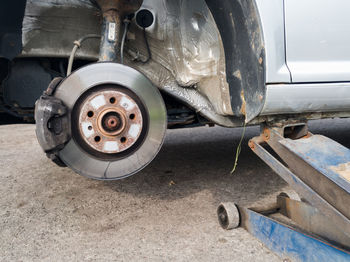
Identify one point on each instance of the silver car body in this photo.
(307, 54)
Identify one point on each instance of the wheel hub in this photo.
(110, 121)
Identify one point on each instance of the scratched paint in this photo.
(325, 155)
(343, 170)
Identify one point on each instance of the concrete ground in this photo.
(165, 213)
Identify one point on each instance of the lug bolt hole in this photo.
(90, 127)
(97, 139)
(132, 116)
(112, 100)
(90, 114)
(123, 139)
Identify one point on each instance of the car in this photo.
(107, 78)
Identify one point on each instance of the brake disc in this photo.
(117, 121)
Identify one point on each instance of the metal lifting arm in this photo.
(318, 169)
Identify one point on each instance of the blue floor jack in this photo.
(314, 223)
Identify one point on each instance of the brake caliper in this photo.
(52, 122)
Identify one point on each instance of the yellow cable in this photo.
(238, 150)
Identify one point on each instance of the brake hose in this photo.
(77, 44)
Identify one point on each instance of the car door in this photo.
(318, 40)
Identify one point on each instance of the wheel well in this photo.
(242, 36)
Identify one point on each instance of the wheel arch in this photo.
(241, 32)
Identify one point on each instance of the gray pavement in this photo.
(165, 213)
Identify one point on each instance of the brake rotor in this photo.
(117, 121)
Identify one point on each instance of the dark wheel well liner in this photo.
(241, 32)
